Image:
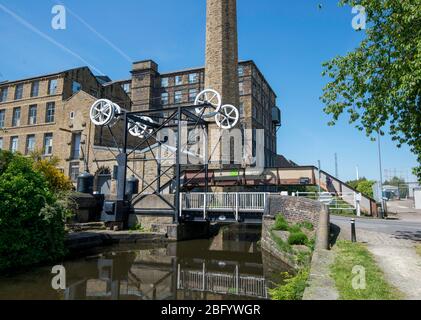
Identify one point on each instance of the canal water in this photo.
(228, 266)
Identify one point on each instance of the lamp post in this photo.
(381, 173)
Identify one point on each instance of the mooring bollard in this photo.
(353, 232)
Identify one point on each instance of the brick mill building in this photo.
(50, 113)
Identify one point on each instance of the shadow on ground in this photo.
(408, 235)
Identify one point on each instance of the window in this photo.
(16, 117)
(164, 98)
(3, 94)
(193, 78)
(35, 89)
(94, 93)
(2, 118)
(178, 97)
(19, 91)
(241, 109)
(52, 86)
(178, 80)
(254, 112)
(74, 171)
(48, 144)
(49, 114)
(192, 94)
(14, 144)
(164, 82)
(76, 146)
(76, 87)
(127, 87)
(30, 144)
(32, 114)
(241, 88)
(1, 143)
(240, 71)
(72, 115)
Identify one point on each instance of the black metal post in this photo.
(158, 168)
(353, 232)
(122, 165)
(206, 159)
(178, 170)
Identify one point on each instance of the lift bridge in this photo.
(169, 191)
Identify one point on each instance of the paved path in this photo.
(392, 244)
(406, 230)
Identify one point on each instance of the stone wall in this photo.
(296, 209)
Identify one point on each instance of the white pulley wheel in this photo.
(211, 97)
(102, 112)
(228, 117)
(145, 129)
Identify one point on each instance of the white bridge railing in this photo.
(222, 283)
(341, 201)
(226, 202)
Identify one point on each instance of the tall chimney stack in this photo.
(221, 67)
(222, 49)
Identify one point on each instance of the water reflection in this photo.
(229, 266)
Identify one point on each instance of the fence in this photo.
(223, 283)
(226, 202)
(336, 202)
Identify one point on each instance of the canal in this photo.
(228, 266)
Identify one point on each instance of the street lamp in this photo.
(381, 172)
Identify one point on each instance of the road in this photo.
(407, 230)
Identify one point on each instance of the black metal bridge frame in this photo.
(176, 115)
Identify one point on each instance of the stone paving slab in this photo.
(321, 285)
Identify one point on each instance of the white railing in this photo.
(223, 283)
(335, 201)
(224, 201)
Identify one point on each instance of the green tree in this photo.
(379, 83)
(363, 185)
(31, 216)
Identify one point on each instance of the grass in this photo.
(283, 246)
(280, 224)
(418, 249)
(297, 238)
(292, 288)
(350, 255)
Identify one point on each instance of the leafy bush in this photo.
(138, 227)
(294, 287)
(298, 238)
(31, 216)
(280, 223)
(56, 179)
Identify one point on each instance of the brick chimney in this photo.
(221, 73)
(222, 49)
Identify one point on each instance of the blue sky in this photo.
(288, 40)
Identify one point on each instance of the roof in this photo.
(41, 76)
(283, 162)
